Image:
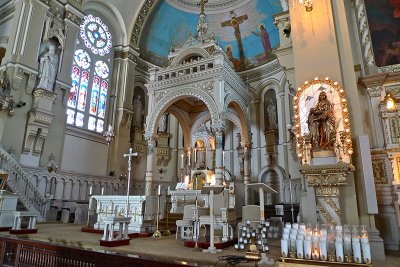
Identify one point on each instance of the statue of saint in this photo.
(48, 67)
(272, 120)
(138, 112)
(321, 124)
(163, 124)
(202, 25)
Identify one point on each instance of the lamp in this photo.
(109, 135)
(308, 4)
(390, 102)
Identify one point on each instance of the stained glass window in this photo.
(90, 75)
(95, 96)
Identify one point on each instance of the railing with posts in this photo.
(19, 182)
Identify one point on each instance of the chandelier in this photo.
(307, 3)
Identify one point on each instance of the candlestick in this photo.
(182, 163)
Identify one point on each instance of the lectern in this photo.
(210, 191)
(261, 187)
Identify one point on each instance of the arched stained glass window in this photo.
(87, 101)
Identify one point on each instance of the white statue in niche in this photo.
(163, 124)
(48, 66)
(138, 111)
(272, 116)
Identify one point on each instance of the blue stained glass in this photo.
(102, 69)
(82, 59)
(103, 99)
(94, 100)
(83, 91)
(73, 93)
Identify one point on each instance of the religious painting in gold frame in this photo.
(306, 98)
(3, 179)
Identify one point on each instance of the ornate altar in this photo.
(324, 144)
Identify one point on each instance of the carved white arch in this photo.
(184, 122)
(281, 174)
(188, 52)
(241, 113)
(174, 96)
(234, 118)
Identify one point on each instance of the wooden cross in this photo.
(202, 3)
(235, 23)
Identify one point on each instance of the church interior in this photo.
(199, 133)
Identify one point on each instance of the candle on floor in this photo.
(366, 250)
(307, 248)
(339, 250)
(284, 248)
(323, 250)
(356, 250)
(299, 248)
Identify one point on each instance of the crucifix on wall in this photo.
(235, 23)
(202, 3)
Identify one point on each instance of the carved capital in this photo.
(374, 91)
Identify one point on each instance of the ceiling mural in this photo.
(244, 29)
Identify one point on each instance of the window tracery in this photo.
(87, 101)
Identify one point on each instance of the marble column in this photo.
(219, 135)
(149, 170)
(246, 166)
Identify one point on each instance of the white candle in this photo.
(159, 189)
(102, 190)
(339, 250)
(356, 250)
(182, 161)
(91, 190)
(322, 250)
(195, 155)
(189, 158)
(366, 251)
(284, 247)
(299, 246)
(223, 158)
(110, 128)
(307, 249)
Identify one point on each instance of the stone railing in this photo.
(19, 182)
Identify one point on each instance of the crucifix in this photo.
(202, 3)
(235, 23)
(129, 155)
